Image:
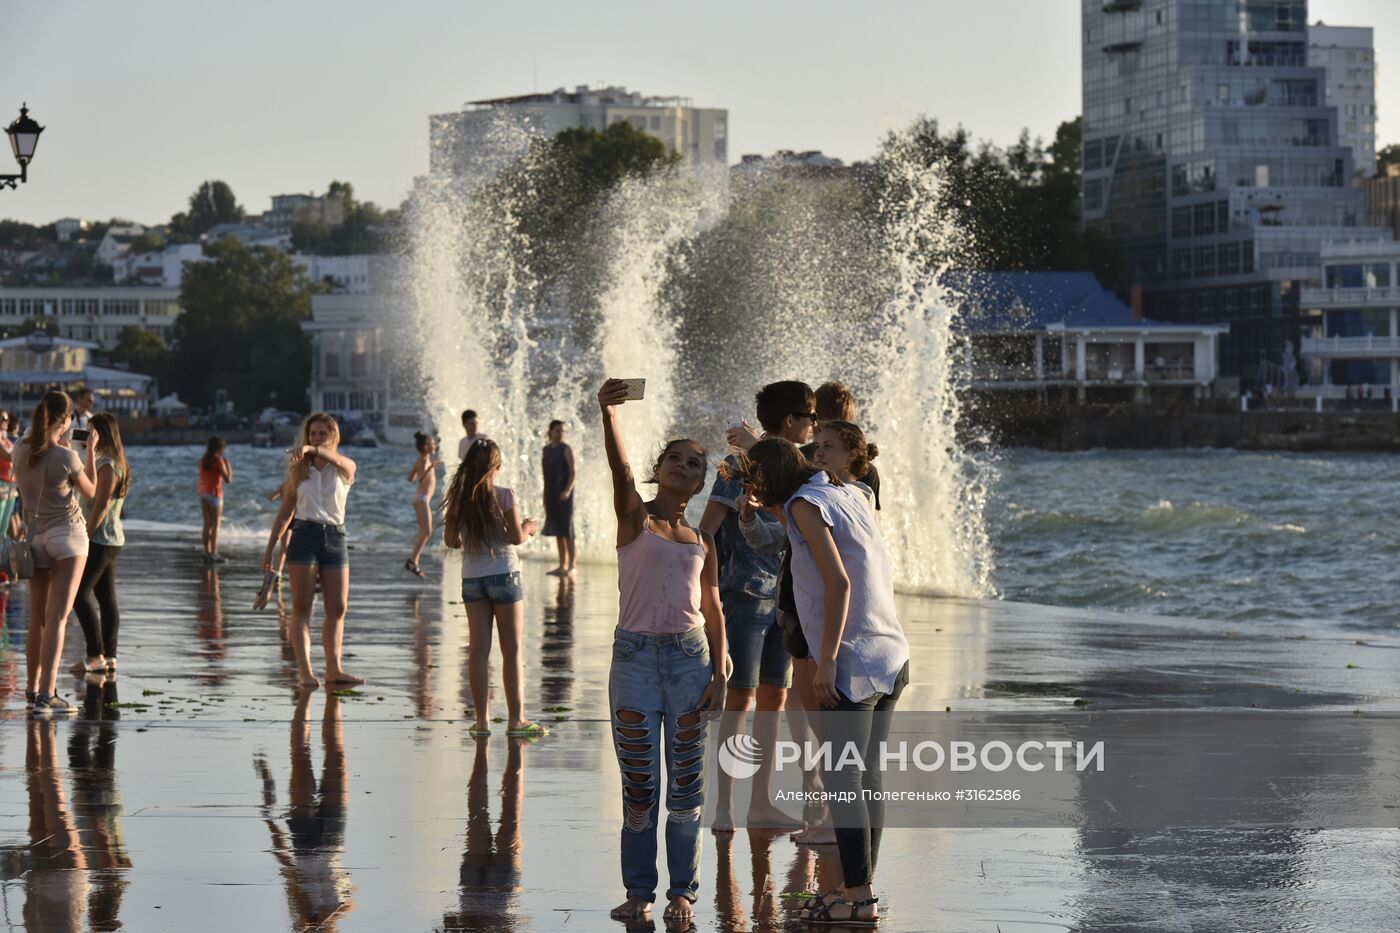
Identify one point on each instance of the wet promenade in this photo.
(197, 791)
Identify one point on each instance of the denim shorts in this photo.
(501, 588)
(317, 543)
(755, 642)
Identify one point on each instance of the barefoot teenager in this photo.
(845, 600)
(424, 473)
(214, 471)
(482, 519)
(557, 467)
(318, 480)
(668, 667)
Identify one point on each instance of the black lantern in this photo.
(24, 137)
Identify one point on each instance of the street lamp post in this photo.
(24, 136)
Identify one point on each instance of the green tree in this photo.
(364, 228)
(1386, 157)
(142, 352)
(213, 203)
(555, 188)
(241, 329)
(148, 242)
(1019, 207)
(30, 325)
(17, 235)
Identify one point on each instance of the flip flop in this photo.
(413, 568)
(533, 731)
(477, 732)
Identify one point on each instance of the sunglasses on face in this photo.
(809, 415)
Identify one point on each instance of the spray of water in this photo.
(707, 299)
(933, 522)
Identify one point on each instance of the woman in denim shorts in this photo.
(668, 667)
(51, 476)
(482, 519)
(313, 500)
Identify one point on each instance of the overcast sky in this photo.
(144, 99)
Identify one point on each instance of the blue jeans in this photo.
(755, 642)
(654, 691)
(317, 543)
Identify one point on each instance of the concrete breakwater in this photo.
(1087, 427)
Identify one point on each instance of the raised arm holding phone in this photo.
(668, 669)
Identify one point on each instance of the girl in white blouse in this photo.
(318, 481)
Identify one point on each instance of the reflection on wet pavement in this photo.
(243, 806)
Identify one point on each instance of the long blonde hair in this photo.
(52, 409)
(110, 444)
(470, 503)
(299, 469)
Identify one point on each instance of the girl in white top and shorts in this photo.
(482, 519)
(318, 480)
(50, 477)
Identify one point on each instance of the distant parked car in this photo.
(226, 421)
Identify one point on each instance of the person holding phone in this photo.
(668, 668)
(76, 435)
(214, 471)
(51, 477)
(96, 603)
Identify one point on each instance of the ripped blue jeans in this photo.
(654, 691)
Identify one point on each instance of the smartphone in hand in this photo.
(635, 388)
(81, 435)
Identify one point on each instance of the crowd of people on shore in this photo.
(785, 583)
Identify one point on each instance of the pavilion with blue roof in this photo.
(1031, 330)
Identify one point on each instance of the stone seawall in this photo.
(1127, 426)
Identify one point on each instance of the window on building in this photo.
(1204, 263)
(332, 364)
(359, 365)
(1181, 264)
(1093, 155)
(1203, 223)
(1228, 259)
(1093, 194)
(1181, 222)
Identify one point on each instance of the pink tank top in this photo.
(660, 584)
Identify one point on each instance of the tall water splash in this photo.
(796, 281)
(472, 297)
(633, 239)
(933, 520)
(522, 351)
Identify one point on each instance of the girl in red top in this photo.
(214, 471)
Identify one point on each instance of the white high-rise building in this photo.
(1348, 55)
(699, 134)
